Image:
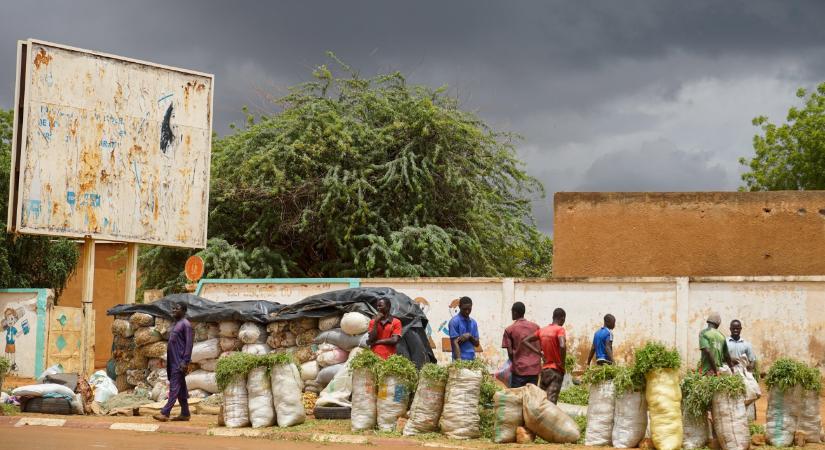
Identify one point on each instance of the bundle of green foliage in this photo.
(599, 374)
(654, 355)
(624, 381)
(238, 364)
(698, 391)
(434, 373)
(29, 261)
(569, 363)
(399, 367)
(365, 177)
(581, 422)
(366, 359)
(575, 395)
(786, 373)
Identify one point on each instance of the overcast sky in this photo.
(609, 96)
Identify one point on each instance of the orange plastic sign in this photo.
(194, 268)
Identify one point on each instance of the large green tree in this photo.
(28, 261)
(790, 156)
(365, 177)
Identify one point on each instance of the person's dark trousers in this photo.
(177, 391)
(517, 381)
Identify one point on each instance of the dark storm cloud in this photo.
(579, 80)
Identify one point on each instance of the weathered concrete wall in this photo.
(782, 316)
(689, 233)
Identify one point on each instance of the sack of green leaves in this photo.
(397, 377)
(810, 420)
(287, 389)
(509, 415)
(428, 401)
(697, 395)
(730, 417)
(231, 375)
(793, 402)
(259, 390)
(659, 366)
(630, 414)
(600, 406)
(547, 420)
(364, 413)
(460, 418)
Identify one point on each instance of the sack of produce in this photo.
(208, 365)
(256, 349)
(630, 416)
(139, 320)
(156, 350)
(259, 390)
(364, 410)
(397, 376)
(139, 359)
(164, 326)
(460, 419)
(784, 401)
(287, 391)
(547, 420)
(601, 405)
(664, 396)
(277, 327)
(697, 395)
(236, 403)
(338, 338)
(329, 355)
(201, 330)
(252, 333)
(328, 323)
(208, 349)
(355, 323)
(122, 328)
(229, 328)
(306, 337)
(509, 417)
(228, 344)
(326, 374)
(309, 370)
(146, 335)
(730, 418)
(428, 402)
(338, 390)
(298, 326)
(810, 420)
(136, 376)
(201, 379)
(304, 354)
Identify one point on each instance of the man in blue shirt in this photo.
(463, 332)
(603, 343)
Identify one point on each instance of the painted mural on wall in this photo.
(113, 148)
(18, 322)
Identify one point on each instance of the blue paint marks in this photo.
(34, 208)
(105, 222)
(71, 198)
(137, 173)
(90, 199)
(108, 144)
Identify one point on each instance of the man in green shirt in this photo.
(714, 346)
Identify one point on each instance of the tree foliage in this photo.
(28, 261)
(790, 156)
(366, 177)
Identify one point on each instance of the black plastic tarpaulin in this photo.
(200, 309)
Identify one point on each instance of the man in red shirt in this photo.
(385, 330)
(554, 347)
(525, 365)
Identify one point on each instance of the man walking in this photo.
(463, 332)
(384, 330)
(713, 346)
(554, 347)
(178, 357)
(525, 364)
(602, 347)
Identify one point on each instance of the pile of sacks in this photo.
(321, 346)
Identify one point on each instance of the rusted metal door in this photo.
(65, 327)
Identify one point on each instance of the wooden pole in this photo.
(131, 272)
(87, 347)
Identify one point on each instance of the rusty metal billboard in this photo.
(109, 147)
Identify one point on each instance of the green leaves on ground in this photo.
(575, 395)
(786, 373)
(365, 177)
(598, 374)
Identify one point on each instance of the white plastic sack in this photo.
(52, 370)
(229, 328)
(600, 410)
(328, 323)
(309, 370)
(208, 365)
(426, 408)
(392, 400)
(259, 390)
(256, 349)
(103, 386)
(338, 338)
(460, 419)
(364, 412)
(752, 389)
(236, 404)
(201, 379)
(629, 420)
(338, 390)
(326, 374)
(198, 393)
(695, 430)
(252, 333)
(208, 349)
(287, 395)
(783, 416)
(160, 391)
(509, 415)
(730, 422)
(330, 355)
(39, 390)
(573, 410)
(810, 420)
(355, 323)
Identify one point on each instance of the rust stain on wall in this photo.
(42, 58)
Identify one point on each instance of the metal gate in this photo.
(65, 334)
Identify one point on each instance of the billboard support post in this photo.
(87, 349)
(131, 272)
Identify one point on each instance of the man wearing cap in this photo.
(714, 347)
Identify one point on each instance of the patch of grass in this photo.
(10, 410)
(575, 395)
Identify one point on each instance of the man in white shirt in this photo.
(740, 350)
